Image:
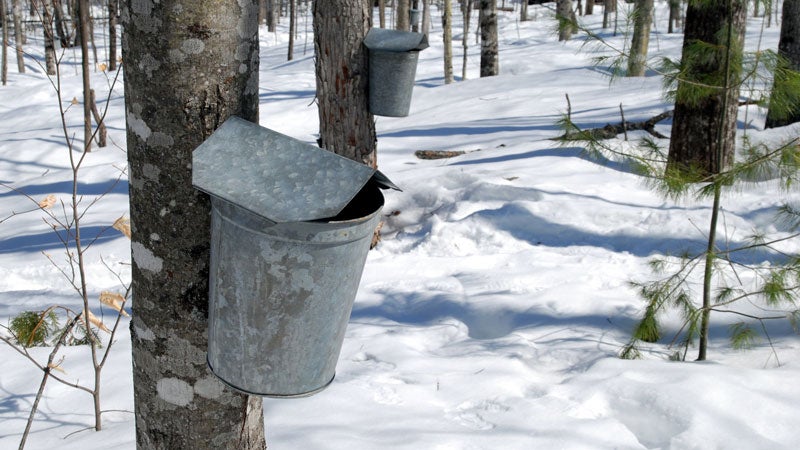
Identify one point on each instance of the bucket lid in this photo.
(276, 176)
(395, 40)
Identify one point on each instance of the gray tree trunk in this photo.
(292, 29)
(589, 7)
(61, 25)
(447, 38)
(4, 59)
(564, 16)
(113, 11)
(426, 17)
(523, 11)
(49, 38)
(466, 9)
(784, 105)
(83, 34)
(490, 58)
(346, 127)
(609, 6)
(18, 34)
(273, 12)
(402, 18)
(189, 65)
(674, 15)
(642, 18)
(704, 123)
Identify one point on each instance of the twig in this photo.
(624, 128)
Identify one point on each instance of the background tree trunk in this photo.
(642, 18)
(4, 59)
(523, 11)
(564, 15)
(426, 17)
(113, 11)
(704, 123)
(402, 18)
(346, 127)
(589, 7)
(84, 33)
(447, 38)
(292, 29)
(18, 35)
(272, 15)
(62, 30)
(49, 38)
(466, 10)
(490, 58)
(784, 107)
(185, 73)
(609, 6)
(674, 15)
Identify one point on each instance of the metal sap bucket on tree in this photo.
(291, 227)
(393, 57)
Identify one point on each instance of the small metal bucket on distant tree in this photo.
(393, 59)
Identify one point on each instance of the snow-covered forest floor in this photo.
(491, 315)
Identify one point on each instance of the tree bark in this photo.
(189, 65)
(113, 11)
(490, 58)
(292, 28)
(564, 16)
(523, 11)
(83, 11)
(447, 37)
(18, 34)
(704, 126)
(61, 25)
(272, 15)
(589, 8)
(346, 127)
(784, 107)
(49, 38)
(4, 61)
(403, 15)
(466, 9)
(642, 17)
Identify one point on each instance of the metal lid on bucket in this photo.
(276, 176)
(381, 39)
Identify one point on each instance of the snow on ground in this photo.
(492, 313)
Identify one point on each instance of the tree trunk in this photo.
(4, 61)
(426, 17)
(674, 15)
(784, 105)
(642, 18)
(49, 38)
(609, 6)
(523, 11)
(564, 17)
(704, 124)
(18, 34)
(292, 28)
(272, 15)
(189, 65)
(589, 8)
(466, 9)
(447, 37)
(490, 59)
(61, 25)
(113, 9)
(83, 11)
(346, 127)
(403, 15)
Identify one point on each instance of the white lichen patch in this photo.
(149, 64)
(176, 56)
(208, 387)
(175, 391)
(138, 126)
(144, 333)
(193, 46)
(145, 259)
(159, 139)
(151, 171)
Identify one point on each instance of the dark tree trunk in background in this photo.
(189, 65)
(346, 127)
(490, 57)
(704, 122)
(466, 10)
(83, 35)
(62, 30)
(292, 28)
(784, 105)
(113, 11)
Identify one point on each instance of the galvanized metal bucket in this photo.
(414, 17)
(393, 59)
(291, 227)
